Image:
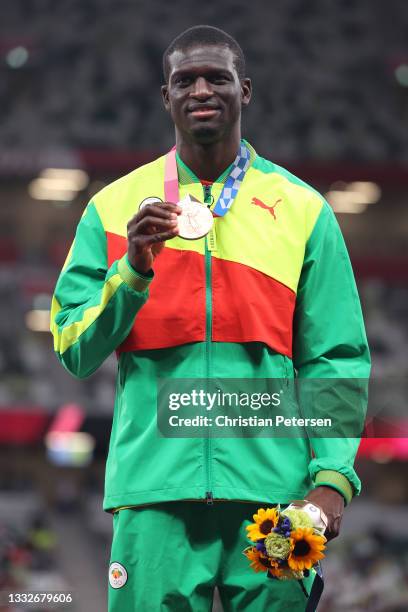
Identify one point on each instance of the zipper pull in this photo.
(209, 498)
(207, 195)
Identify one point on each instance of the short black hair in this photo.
(204, 35)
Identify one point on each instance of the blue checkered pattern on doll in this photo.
(233, 182)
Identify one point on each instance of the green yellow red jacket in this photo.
(269, 294)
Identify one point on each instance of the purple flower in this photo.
(284, 527)
(260, 545)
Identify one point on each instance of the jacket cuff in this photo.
(135, 280)
(335, 480)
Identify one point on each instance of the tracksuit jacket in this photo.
(269, 293)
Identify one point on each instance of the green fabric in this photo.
(87, 265)
(329, 336)
(176, 553)
(81, 287)
(337, 481)
(138, 282)
(254, 469)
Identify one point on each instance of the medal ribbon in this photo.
(231, 186)
(171, 188)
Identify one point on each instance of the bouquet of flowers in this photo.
(287, 543)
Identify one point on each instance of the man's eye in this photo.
(183, 81)
(219, 80)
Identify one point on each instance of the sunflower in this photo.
(275, 572)
(306, 548)
(259, 562)
(265, 521)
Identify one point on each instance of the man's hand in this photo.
(332, 504)
(147, 231)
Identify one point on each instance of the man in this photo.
(268, 293)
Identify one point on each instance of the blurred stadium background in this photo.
(81, 106)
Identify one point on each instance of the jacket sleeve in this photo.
(330, 343)
(93, 307)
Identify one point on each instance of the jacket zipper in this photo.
(208, 326)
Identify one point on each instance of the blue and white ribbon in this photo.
(233, 182)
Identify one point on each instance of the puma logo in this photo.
(271, 209)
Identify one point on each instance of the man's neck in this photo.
(208, 161)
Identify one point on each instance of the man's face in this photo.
(204, 94)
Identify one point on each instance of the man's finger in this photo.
(162, 209)
(333, 528)
(155, 238)
(142, 242)
(147, 224)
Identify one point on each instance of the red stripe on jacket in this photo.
(250, 306)
(247, 305)
(175, 311)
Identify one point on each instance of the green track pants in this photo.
(168, 557)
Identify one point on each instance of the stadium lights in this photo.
(77, 178)
(401, 75)
(69, 448)
(342, 203)
(38, 320)
(353, 197)
(370, 191)
(383, 453)
(58, 184)
(17, 57)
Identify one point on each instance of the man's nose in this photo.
(201, 88)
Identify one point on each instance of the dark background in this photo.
(80, 89)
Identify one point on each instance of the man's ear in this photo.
(246, 91)
(165, 96)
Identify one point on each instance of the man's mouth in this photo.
(204, 112)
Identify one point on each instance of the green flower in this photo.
(298, 519)
(277, 546)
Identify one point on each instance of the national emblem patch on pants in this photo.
(117, 575)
